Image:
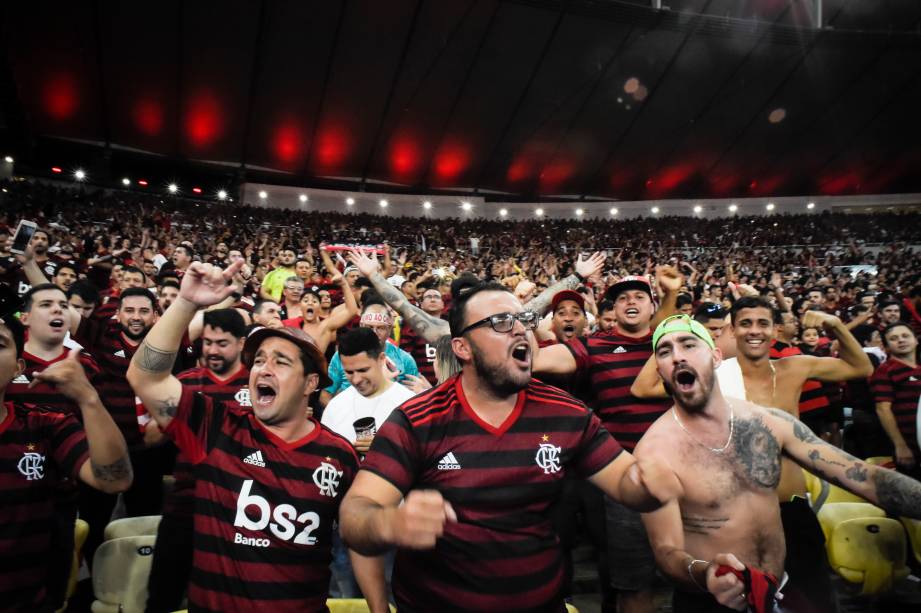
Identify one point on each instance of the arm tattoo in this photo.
(702, 525)
(541, 302)
(897, 494)
(423, 324)
(151, 359)
(118, 470)
(759, 452)
(168, 407)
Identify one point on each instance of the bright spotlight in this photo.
(733, 208)
(503, 212)
(579, 212)
(426, 205)
(466, 206)
(8, 159)
(126, 181)
(263, 194)
(698, 208)
(302, 197)
(810, 206)
(655, 210)
(222, 195)
(614, 211)
(770, 206)
(173, 188)
(383, 204)
(539, 212)
(350, 201)
(79, 175)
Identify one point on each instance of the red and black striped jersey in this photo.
(812, 397)
(105, 341)
(503, 553)
(900, 384)
(422, 351)
(233, 392)
(264, 508)
(43, 394)
(611, 362)
(38, 449)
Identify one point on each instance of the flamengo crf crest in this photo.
(32, 466)
(548, 458)
(326, 478)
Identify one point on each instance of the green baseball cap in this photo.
(681, 323)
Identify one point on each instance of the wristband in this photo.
(578, 276)
(691, 573)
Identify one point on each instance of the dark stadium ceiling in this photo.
(536, 99)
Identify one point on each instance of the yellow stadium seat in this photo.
(839, 494)
(880, 460)
(81, 531)
(868, 551)
(818, 490)
(913, 528)
(349, 605)
(571, 609)
(121, 568)
(831, 515)
(132, 526)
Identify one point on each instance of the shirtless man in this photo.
(731, 517)
(323, 331)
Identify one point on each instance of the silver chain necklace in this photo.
(696, 440)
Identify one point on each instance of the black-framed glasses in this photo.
(505, 322)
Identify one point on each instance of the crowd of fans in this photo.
(368, 301)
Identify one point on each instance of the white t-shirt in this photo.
(348, 406)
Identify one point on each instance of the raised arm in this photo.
(669, 281)
(342, 314)
(149, 371)
(584, 269)
(30, 268)
(648, 384)
(553, 360)
(642, 484)
(427, 326)
(894, 492)
(108, 468)
(854, 363)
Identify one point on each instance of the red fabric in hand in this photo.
(760, 587)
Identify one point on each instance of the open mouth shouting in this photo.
(265, 395)
(684, 379)
(632, 312)
(56, 324)
(521, 354)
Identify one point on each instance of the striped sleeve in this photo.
(71, 450)
(881, 386)
(597, 448)
(395, 453)
(578, 347)
(196, 424)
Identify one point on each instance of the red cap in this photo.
(567, 294)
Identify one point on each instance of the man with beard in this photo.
(46, 315)
(729, 521)
(270, 478)
(274, 281)
(131, 276)
(324, 331)
(752, 375)
(65, 275)
(225, 379)
(896, 387)
(477, 461)
(112, 342)
(608, 363)
(167, 292)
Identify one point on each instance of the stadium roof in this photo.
(530, 98)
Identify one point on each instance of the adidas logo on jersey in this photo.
(449, 462)
(120, 353)
(620, 350)
(255, 459)
(21, 379)
(911, 378)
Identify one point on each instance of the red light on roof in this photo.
(196, 190)
(142, 182)
(57, 169)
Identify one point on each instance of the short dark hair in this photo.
(143, 292)
(358, 340)
(683, 299)
(136, 270)
(371, 298)
(709, 310)
(890, 327)
(27, 299)
(863, 333)
(751, 302)
(605, 305)
(62, 265)
(363, 282)
(169, 283)
(458, 313)
(17, 330)
(228, 320)
(260, 304)
(85, 290)
(186, 248)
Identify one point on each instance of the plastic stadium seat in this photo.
(818, 490)
(913, 528)
(868, 551)
(349, 605)
(881, 460)
(132, 526)
(121, 568)
(81, 531)
(838, 494)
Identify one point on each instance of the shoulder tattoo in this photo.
(759, 452)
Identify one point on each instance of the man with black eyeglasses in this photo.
(477, 462)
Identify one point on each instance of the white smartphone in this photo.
(23, 236)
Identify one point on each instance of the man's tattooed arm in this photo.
(541, 302)
(167, 407)
(428, 327)
(151, 359)
(118, 470)
(897, 493)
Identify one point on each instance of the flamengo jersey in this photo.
(897, 382)
(423, 353)
(264, 508)
(812, 397)
(37, 449)
(43, 394)
(612, 361)
(233, 392)
(503, 553)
